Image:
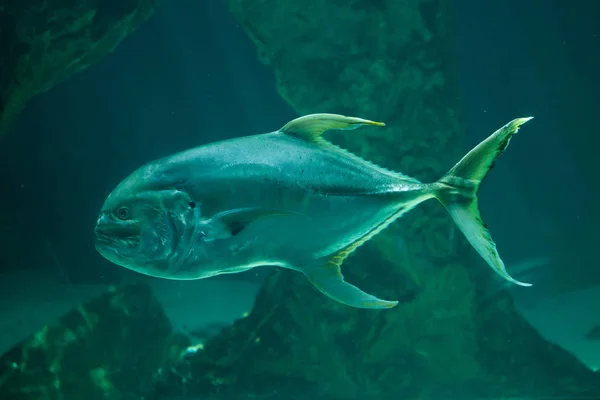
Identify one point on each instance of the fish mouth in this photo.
(103, 239)
(129, 241)
(106, 236)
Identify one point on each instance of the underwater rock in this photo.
(392, 61)
(389, 61)
(107, 348)
(384, 60)
(44, 42)
(295, 345)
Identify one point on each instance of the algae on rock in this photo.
(107, 348)
(392, 61)
(44, 42)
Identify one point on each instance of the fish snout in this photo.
(103, 226)
(108, 228)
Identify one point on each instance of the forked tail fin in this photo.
(457, 191)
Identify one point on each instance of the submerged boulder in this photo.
(44, 42)
(108, 348)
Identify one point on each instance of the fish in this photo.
(288, 198)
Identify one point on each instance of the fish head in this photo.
(140, 228)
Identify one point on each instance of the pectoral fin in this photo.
(232, 222)
(311, 127)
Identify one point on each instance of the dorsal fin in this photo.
(311, 127)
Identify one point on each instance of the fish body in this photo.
(288, 198)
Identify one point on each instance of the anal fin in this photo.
(327, 276)
(330, 281)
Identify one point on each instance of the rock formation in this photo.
(386, 60)
(108, 348)
(393, 61)
(44, 42)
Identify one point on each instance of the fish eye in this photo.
(123, 213)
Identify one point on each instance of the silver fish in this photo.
(288, 198)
